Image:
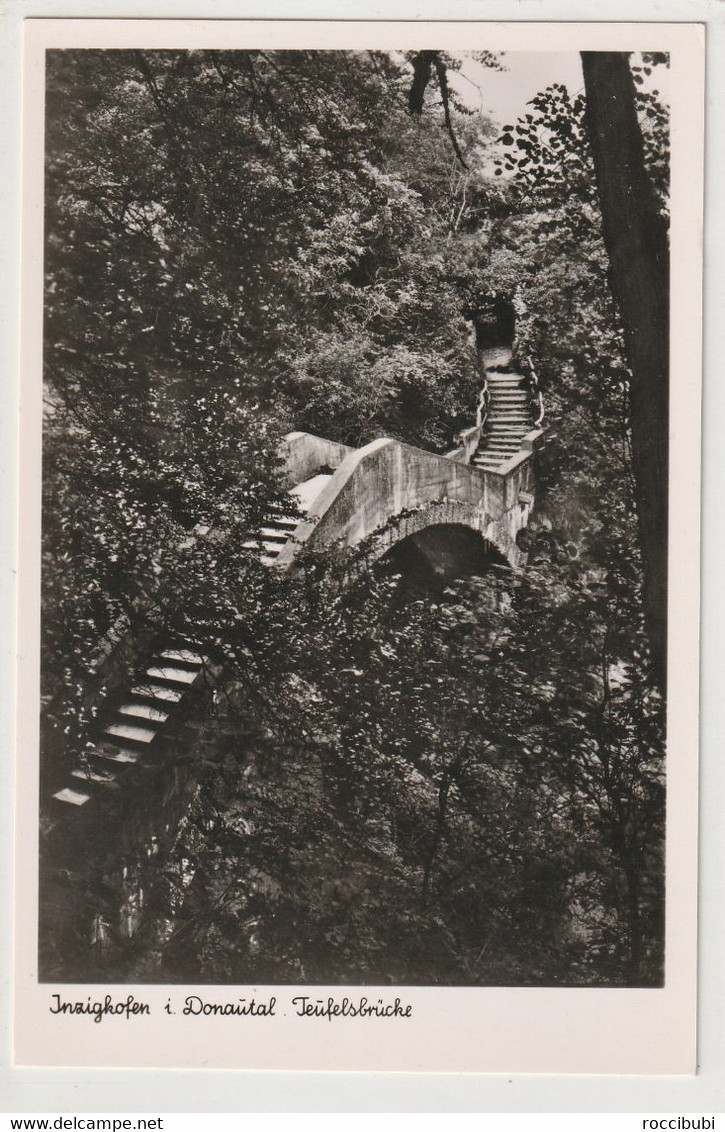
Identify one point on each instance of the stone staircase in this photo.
(133, 730)
(274, 536)
(509, 418)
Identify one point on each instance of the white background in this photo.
(86, 1091)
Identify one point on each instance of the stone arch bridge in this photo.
(386, 491)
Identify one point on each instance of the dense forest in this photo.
(444, 780)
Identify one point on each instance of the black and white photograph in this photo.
(355, 484)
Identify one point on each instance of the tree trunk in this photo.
(635, 237)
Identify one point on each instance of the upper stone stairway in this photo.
(509, 418)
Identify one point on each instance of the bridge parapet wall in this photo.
(469, 440)
(304, 454)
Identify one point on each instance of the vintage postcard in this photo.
(360, 546)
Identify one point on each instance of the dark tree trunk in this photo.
(422, 63)
(635, 237)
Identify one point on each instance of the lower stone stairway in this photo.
(132, 730)
(509, 418)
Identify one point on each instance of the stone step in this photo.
(130, 733)
(272, 545)
(71, 797)
(157, 692)
(119, 756)
(273, 534)
(183, 656)
(91, 776)
(143, 711)
(172, 674)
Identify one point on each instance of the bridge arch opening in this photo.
(438, 554)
